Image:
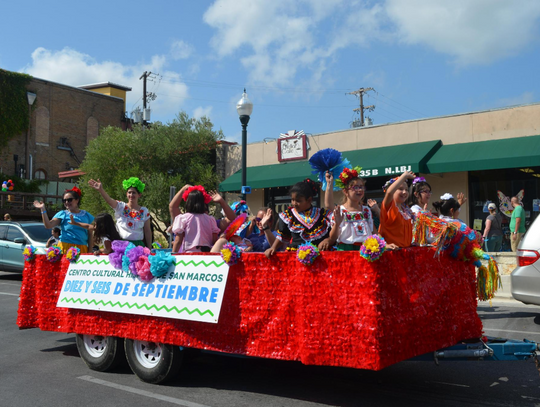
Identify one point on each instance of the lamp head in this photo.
(244, 107)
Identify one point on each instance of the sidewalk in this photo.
(506, 291)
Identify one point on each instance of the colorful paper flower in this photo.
(29, 253)
(346, 176)
(54, 253)
(157, 245)
(373, 248)
(207, 198)
(307, 253)
(230, 253)
(418, 179)
(160, 263)
(235, 225)
(133, 182)
(388, 183)
(143, 269)
(73, 254)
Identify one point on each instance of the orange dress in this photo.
(394, 227)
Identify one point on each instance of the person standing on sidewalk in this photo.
(517, 223)
(493, 233)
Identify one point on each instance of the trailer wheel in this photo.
(101, 353)
(153, 362)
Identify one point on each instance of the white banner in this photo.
(192, 289)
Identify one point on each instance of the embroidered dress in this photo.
(311, 226)
(356, 225)
(130, 223)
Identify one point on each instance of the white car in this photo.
(525, 278)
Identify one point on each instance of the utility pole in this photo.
(147, 95)
(360, 93)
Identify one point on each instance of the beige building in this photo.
(477, 153)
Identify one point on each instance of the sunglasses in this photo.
(67, 200)
(259, 219)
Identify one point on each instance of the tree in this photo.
(161, 155)
(13, 105)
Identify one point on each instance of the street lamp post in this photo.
(30, 97)
(244, 107)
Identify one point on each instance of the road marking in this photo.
(16, 295)
(145, 393)
(509, 330)
(451, 384)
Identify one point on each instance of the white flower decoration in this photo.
(446, 197)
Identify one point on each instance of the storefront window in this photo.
(499, 186)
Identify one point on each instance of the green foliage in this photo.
(162, 155)
(13, 105)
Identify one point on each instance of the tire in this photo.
(153, 362)
(101, 353)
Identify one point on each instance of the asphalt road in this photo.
(43, 369)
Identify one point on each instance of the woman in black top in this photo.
(493, 233)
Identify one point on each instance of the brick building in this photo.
(64, 119)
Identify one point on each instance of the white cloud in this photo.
(277, 40)
(473, 32)
(279, 33)
(74, 68)
(202, 111)
(181, 50)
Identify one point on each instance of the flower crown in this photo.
(240, 207)
(207, 198)
(133, 182)
(388, 183)
(446, 197)
(346, 176)
(418, 179)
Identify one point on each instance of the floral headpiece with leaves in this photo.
(388, 183)
(133, 182)
(200, 188)
(347, 175)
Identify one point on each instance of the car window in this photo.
(3, 229)
(37, 232)
(13, 233)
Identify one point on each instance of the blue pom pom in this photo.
(331, 160)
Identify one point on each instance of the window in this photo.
(40, 174)
(13, 233)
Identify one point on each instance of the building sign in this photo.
(381, 172)
(292, 146)
(192, 289)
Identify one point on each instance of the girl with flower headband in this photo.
(195, 230)
(420, 194)
(132, 220)
(302, 222)
(448, 207)
(70, 235)
(396, 217)
(354, 221)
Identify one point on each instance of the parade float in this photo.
(361, 310)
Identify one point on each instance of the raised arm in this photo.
(98, 186)
(329, 193)
(393, 188)
(49, 224)
(217, 198)
(174, 205)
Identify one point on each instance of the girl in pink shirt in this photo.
(195, 230)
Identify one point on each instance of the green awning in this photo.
(376, 162)
(487, 155)
(268, 176)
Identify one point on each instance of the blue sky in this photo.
(297, 59)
